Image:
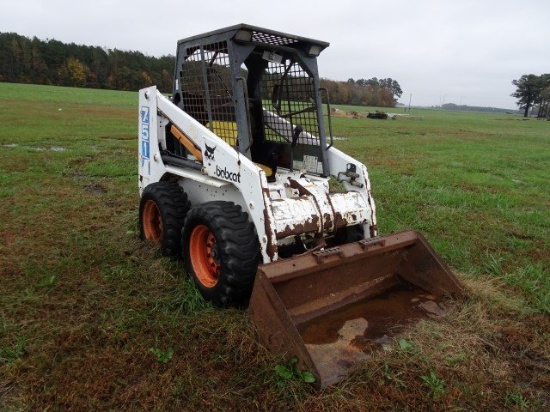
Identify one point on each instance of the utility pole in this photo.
(410, 98)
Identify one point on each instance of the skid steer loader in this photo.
(236, 171)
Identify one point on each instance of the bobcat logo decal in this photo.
(209, 152)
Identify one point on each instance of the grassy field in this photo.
(93, 319)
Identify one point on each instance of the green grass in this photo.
(476, 184)
(93, 318)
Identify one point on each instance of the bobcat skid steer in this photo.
(236, 171)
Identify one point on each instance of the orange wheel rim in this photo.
(152, 222)
(204, 256)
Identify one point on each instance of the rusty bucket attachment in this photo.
(331, 308)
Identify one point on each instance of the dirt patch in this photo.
(95, 188)
(350, 115)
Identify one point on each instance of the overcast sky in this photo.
(440, 51)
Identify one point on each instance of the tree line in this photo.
(362, 92)
(466, 108)
(51, 62)
(533, 93)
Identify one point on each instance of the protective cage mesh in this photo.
(290, 112)
(287, 95)
(207, 92)
(288, 92)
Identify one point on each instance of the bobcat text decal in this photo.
(228, 175)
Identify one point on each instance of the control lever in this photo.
(297, 131)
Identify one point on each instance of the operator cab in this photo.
(259, 91)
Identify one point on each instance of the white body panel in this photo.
(294, 205)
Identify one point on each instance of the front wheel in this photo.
(221, 252)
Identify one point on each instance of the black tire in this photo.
(221, 252)
(162, 211)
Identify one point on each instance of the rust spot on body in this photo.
(300, 228)
(327, 225)
(339, 221)
(271, 247)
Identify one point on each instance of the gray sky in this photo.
(466, 51)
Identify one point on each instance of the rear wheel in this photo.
(221, 252)
(162, 211)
